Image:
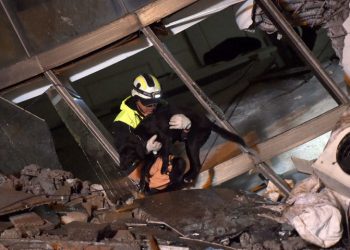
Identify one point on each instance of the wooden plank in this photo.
(271, 148)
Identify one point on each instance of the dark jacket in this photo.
(125, 122)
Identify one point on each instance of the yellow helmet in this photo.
(147, 87)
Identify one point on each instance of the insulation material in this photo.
(273, 193)
(315, 214)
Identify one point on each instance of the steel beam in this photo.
(82, 115)
(299, 46)
(212, 108)
(89, 42)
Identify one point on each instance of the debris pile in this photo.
(50, 205)
(50, 209)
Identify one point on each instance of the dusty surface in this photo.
(50, 209)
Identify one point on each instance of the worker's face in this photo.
(146, 110)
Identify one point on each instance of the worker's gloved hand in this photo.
(179, 121)
(152, 145)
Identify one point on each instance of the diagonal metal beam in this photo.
(104, 159)
(299, 46)
(16, 27)
(212, 108)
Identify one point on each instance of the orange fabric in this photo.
(156, 179)
(136, 173)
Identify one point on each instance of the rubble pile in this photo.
(50, 209)
(45, 205)
(38, 181)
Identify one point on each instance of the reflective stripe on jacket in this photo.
(128, 115)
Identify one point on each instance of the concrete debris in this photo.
(48, 215)
(273, 193)
(26, 220)
(5, 225)
(11, 234)
(112, 216)
(36, 186)
(81, 231)
(124, 235)
(6, 183)
(12, 201)
(79, 216)
(31, 170)
(74, 216)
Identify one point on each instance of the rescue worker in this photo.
(145, 98)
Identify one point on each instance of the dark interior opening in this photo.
(343, 154)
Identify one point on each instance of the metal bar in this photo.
(83, 117)
(212, 108)
(106, 180)
(299, 46)
(90, 42)
(14, 24)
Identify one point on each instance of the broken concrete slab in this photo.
(214, 215)
(88, 232)
(124, 235)
(28, 224)
(6, 182)
(5, 225)
(21, 145)
(19, 244)
(11, 233)
(31, 170)
(26, 220)
(74, 216)
(12, 201)
(110, 216)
